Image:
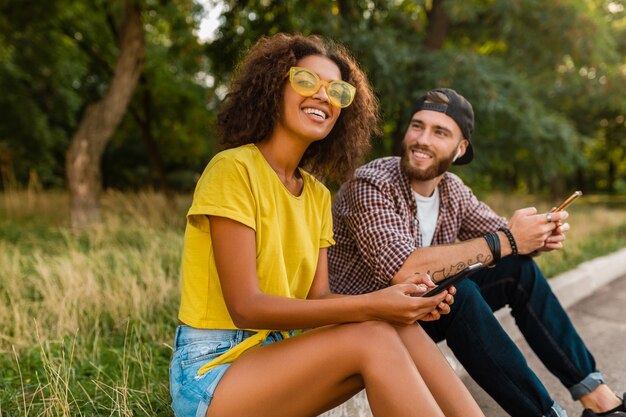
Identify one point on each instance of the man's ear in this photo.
(461, 150)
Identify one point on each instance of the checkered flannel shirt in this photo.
(376, 227)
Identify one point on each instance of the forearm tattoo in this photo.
(445, 272)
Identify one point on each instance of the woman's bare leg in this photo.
(313, 372)
(449, 391)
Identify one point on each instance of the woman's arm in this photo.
(320, 288)
(235, 257)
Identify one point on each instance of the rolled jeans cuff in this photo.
(587, 385)
(556, 411)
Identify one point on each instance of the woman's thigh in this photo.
(447, 388)
(430, 362)
(301, 376)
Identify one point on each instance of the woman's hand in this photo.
(403, 303)
(444, 306)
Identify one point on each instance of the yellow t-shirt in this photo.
(290, 230)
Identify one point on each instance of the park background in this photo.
(107, 112)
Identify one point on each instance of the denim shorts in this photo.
(192, 394)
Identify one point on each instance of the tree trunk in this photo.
(100, 121)
(438, 25)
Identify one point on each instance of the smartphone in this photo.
(454, 279)
(568, 201)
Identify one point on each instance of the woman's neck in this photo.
(284, 158)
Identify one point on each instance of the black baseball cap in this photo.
(460, 110)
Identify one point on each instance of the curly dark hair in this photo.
(250, 110)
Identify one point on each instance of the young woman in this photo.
(254, 261)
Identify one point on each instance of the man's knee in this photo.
(469, 304)
(522, 281)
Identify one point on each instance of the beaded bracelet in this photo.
(509, 236)
(493, 241)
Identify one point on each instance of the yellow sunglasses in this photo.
(306, 83)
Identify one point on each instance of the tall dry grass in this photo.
(125, 268)
(86, 320)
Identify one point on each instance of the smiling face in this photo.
(311, 118)
(430, 145)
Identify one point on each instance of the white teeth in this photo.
(421, 154)
(316, 112)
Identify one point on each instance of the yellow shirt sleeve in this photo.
(223, 190)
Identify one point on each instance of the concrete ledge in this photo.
(570, 287)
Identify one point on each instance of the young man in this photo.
(400, 216)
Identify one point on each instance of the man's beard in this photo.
(438, 167)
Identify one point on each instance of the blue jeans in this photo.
(192, 394)
(489, 355)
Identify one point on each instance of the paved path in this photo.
(601, 321)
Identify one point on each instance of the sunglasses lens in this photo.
(304, 82)
(340, 93)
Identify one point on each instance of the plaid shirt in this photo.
(376, 227)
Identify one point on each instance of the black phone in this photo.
(454, 279)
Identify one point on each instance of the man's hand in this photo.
(534, 231)
(555, 240)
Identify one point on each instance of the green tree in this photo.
(166, 138)
(58, 59)
(545, 79)
(40, 78)
(504, 56)
(591, 95)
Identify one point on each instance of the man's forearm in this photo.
(445, 260)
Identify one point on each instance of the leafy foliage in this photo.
(545, 78)
(506, 57)
(59, 58)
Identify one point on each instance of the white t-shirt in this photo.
(427, 212)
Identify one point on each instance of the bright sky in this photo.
(210, 22)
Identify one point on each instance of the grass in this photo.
(86, 321)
